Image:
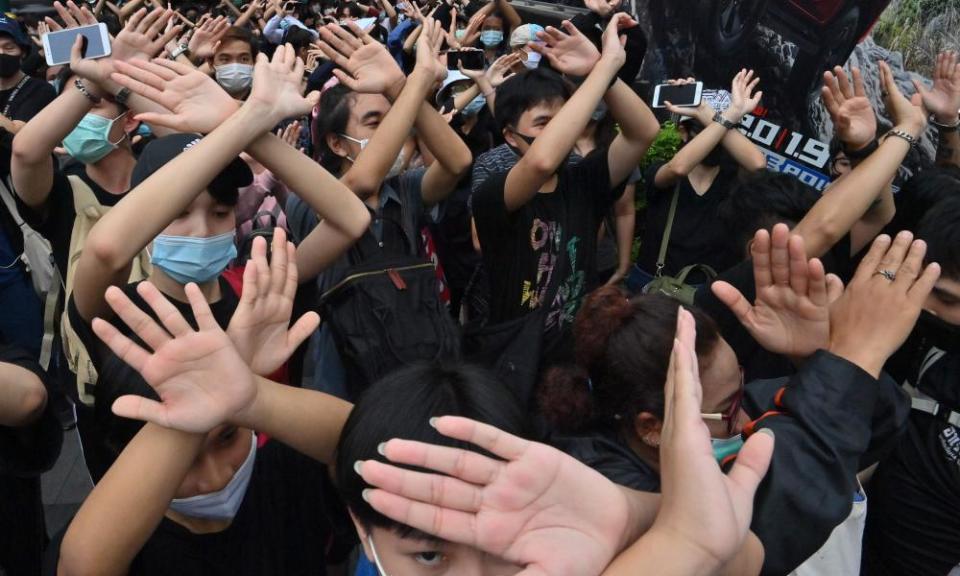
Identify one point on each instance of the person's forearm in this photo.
(31, 165)
(509, 13)
(465, 97)
(247, 15)
(371, 167)
(849, 198)
(125, 507)
(140, 218)
(344, 216)
(691, 154)
(948, 147)
(129, 8)
(22, 396)
(625, 211)
(306, 420)
(673, 556)
(229, 5)
(745, 152)
(635, 119)
(453, 157)
(412, 38)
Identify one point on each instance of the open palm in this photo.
(365, 64)
(260, 327)
(276, 85)
(791, 314)
(850, 109)
(569, 51)
(200, 378)
(943, 100)
(519, 509)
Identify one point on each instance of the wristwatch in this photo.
(721, 120)
(181, 50)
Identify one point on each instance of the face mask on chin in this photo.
(225, 503)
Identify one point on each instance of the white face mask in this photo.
(235, 78)
(376, 558)
(363, 144)
(223, 504)
(532, 61)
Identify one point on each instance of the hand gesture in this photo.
(791, 315)
(612, 43)
(853, 116)
(504, 67)
(743, 100)
(703, 113)
(206, 37)
(276, 85)
(260, 327)
(908, 115)
(364, 65)
(518, 508)
(943, 100)
(290, 135)
(451, 34)
(569, 51)
(195, 101)
(472, 32)
(201, 380)
(702, 510)
(603, 8)
(141, 37)
(882, 303)
(428, 50)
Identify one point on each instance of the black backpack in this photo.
(386, 313)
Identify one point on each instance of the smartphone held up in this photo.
(686, 95)
(57, 45)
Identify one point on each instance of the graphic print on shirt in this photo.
(546, 241)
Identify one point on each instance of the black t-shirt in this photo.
(555, 233)
(28, 101)
(283, 527)
(25, 453)
(913, 523)
(606, 451)
(698, 236)
(55, 221)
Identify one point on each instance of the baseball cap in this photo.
(524, 34)
(12, 28)
(162, 150)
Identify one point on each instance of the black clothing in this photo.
(592, 26)
(913, 523)
(25, 453)
(608, 453)
(698, 236)
(282, 527)
(29, 100)
(558, 230)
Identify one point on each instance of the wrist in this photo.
(251, 416)
(262, 117)
(680, 556)
(914, 128)
(395, 88)
(734, 117)
(608, 66)
(859, 354)
(946, 121)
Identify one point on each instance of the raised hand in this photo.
(743, 99)
(568, 50)
(853, 117)
(195, 101)
(943, 100)
(791, 315)
(518, 507)
(702, 512)
(260, 327)
(201, 380)
(144, 37)
(206, 37)
(907, 114)
(428, 50)
(276, 85)
(291, 135)
(364, 65)
(612, 43)
(504, 67)
(882, 302)
(702, 113)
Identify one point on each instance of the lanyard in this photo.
(6, 109)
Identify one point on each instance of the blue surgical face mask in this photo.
(491, 38)
(223, 504)
(474, 106)
(460, 33)
(724, 447)
(187, 259)
(90, 140)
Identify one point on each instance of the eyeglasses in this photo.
(730, 414)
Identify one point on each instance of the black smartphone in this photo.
(471, 59)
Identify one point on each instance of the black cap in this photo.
(12, 28)
(224, 186)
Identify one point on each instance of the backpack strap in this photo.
(708, 271)
(665, 240)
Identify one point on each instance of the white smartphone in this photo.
(57, 45)
(687, 95)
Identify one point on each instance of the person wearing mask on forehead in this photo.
(519, 40)
(21, 97)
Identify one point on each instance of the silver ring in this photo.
(891, 276)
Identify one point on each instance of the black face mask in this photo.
(9, 65)
(932, 331)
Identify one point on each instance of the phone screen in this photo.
(61, 43)
(471, 59)
(682, 95)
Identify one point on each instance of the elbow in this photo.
(106, 253)
(359, 225)
(757, 163)
(464, 161)
(676, 171)
(31, 403)
(540, 164)
(24, 151)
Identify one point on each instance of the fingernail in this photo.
(768, 432)
(358, 467)
(433, 422)
(382, 448)
(365, 495)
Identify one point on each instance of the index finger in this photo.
(871, 261)
(493, 440)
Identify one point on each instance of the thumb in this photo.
(734, 300)
(834, 288)
(140, 408)
(303, 329)
(76, 51)
(921, 89)
(749, 468)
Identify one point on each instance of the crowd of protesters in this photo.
(338, 288)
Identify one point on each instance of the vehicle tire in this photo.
(729, 25)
